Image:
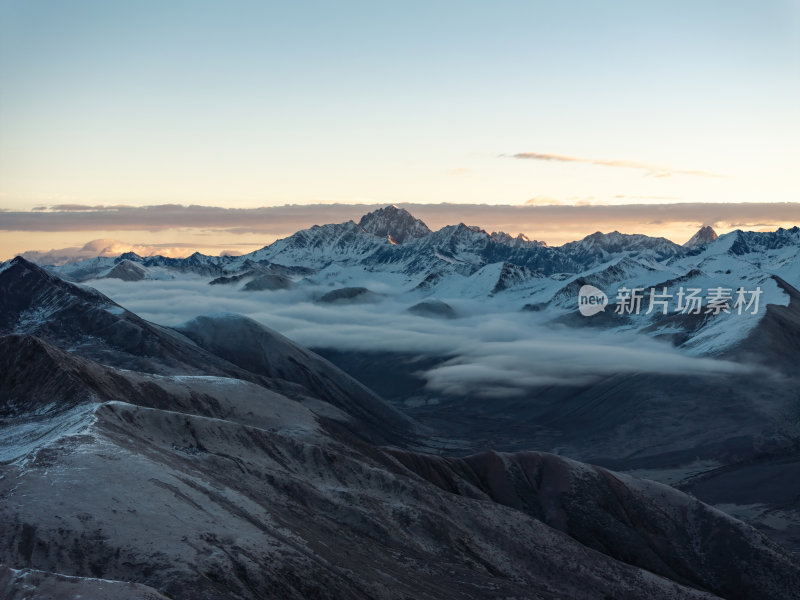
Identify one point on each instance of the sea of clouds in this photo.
(492, 350)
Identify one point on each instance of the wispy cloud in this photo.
(543, 201)
(651, 170)
(460, 171)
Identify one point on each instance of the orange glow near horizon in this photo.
(182, 243)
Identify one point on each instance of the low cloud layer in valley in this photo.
(492, 350)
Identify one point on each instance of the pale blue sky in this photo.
(261, 103)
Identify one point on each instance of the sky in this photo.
(242, 105)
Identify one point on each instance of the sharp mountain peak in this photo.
(394, 223)
(705, 235)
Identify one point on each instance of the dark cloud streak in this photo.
(289, 218)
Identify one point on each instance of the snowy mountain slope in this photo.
(489, 280)
(126, 270)
(776, 339)
(84, 269)
(599, 247)
(518, 241)
(464, 250)
(261, 276)
(319, 246)
(609, 277)
(776, 253)
(153, 267)
(702, 334)
(746, 242)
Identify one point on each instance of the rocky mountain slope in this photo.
(395, 224)
(222, 461)
(89, 325)
(705, 235)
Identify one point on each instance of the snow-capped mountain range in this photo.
(459, 261)
(392, 240)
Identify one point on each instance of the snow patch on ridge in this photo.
(22, 439)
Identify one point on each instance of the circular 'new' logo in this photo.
(591, 300)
